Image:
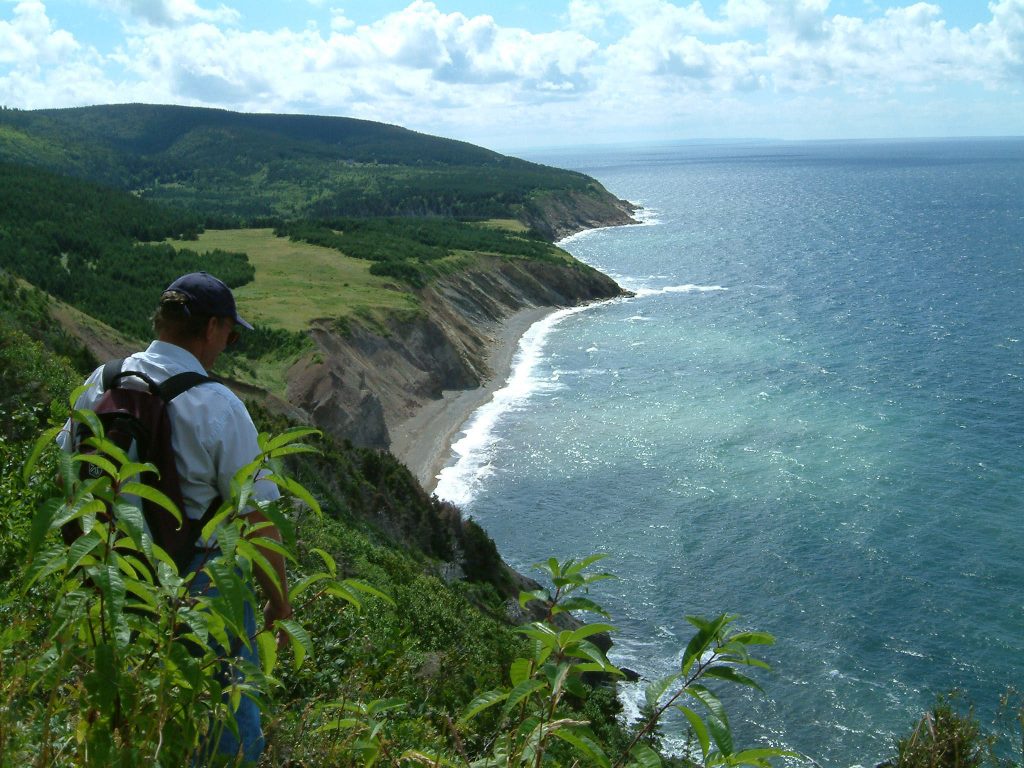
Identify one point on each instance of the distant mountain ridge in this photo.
(239, 168)
(149, 130)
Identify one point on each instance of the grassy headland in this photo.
(296, 282)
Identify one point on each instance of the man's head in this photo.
(197, 312)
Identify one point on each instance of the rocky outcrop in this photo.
(363, 379)
(557, 215)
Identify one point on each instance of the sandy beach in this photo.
(423, 443)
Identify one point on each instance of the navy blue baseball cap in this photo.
(203, 293)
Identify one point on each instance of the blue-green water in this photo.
(811, 414)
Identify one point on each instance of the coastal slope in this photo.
(428, 248)
(395, 386)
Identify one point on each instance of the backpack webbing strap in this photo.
(181, 382)
(110, 371)
(168, 390)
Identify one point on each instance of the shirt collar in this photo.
(178, 355)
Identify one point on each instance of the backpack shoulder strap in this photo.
(110, 371)
(179, 383)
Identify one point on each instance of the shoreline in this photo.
(424, 441)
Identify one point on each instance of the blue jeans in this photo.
(250, 734)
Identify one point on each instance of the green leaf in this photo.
(522, 691)
(556, 677)
(339, 590)
(111, 584)
(753, 638)
(289, 450)
(130, 517)
(290, 436)
(272, 545)
(255, 556)
(223, 513)
(97, 460)
(540, 632)
(232, 592)
(81, 548)
(305, 583)
(133, 468)
(86, 508)
(329, 564)
(537, 594)
(141, 590)
(583, 604)
(242, 492)
(576, 567)
(44, 441)
(108, 447)
(730, 674)
(244, 473)
(657, 689)
(718, 721)
(266, 643)
(150, 493)
(281, 521)
(583, 740)
(699, 643)
(587, 630)
(48, 562)
(295, 489)
(160, 557)
(341, 724)
(645, 757)
(482, 702)
(699, 729)
(89, 419)
(302, 645)
(520, 670)
(368, 589)
(42, 522)
(228, 537)
(104, 677)
(587, 650)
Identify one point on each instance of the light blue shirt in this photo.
(211, 431)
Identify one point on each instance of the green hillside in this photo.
(238, 168)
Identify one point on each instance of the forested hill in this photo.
(241, 168)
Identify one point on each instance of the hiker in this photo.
(212, 437)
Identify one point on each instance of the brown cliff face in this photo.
(363, 381)
(555, 216)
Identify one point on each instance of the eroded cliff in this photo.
(364, 378)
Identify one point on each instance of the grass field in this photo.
(512, 225)
(297, 282)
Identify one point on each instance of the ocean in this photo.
(810, 415)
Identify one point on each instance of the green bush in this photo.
(944, 738)
(127, 665)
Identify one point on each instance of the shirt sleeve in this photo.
(236, 446)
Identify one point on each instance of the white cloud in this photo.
(29, 38)
(631, 63)
(171, 13)
(586, 16)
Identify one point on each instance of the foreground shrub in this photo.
(122, 664)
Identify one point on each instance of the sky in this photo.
(537, 73)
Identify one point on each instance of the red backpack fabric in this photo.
(136, 420)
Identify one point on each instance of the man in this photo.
(212, 436)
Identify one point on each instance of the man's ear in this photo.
(212, 328)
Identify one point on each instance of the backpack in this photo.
(136, 421)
